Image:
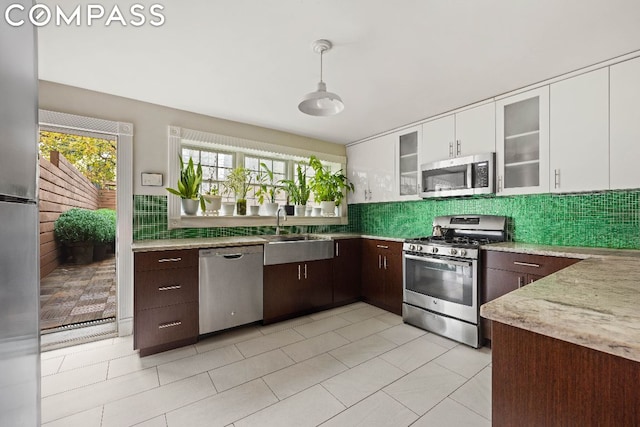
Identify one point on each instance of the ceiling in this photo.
(393, 62)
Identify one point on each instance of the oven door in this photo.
(443, 285)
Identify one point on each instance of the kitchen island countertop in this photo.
(594, 303)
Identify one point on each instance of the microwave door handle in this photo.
(470, 176)
(438, 260)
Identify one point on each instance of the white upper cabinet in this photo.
(625, 125)
(579, 131)
(370, 167)
(465, 133)
(407, 143)
(522, 143)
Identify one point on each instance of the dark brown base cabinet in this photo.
(165, 300)
(296, 288)
(504, 272)
(347, 263)
(382, 274)
(539, 381)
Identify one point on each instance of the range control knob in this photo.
(419, 248)
(453, 251)
(434, 250)
(463, 252)
(412, 247)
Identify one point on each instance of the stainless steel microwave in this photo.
(460, 176)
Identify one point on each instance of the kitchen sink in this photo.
(287, 248)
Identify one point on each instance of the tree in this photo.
(95, 158)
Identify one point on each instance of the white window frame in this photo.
(189, 137)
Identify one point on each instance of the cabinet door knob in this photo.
(458, 147)
(170, 260)
(519, 281)
(299, 274)
(557, 178)
(169, 288)
(526, 264)
(337, 249)
(385, 262)
(169, 325)
(451, 149)
(305, 271)
(379, 261)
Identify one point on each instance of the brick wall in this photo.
(61, 187)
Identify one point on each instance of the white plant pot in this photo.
(213, 203)
(270, 209)
(190, 206)
(328, 208)
(300, 210)
(254, 210)
(316, 212)
(227, 208)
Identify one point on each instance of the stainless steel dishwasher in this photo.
(230, 287)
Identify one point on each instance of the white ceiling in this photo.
(393, 62)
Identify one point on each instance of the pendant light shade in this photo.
(321, 102)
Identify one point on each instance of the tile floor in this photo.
(350, 366)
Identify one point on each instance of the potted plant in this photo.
(105, 233)
(189, 186)
(76, 228)
(328, 187)
(213, 199)
(299, 191)
(239, 181)
(267, 189)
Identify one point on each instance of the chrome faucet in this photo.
(284, 218)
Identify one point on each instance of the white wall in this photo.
(150, 123)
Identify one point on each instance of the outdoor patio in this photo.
(74, 294)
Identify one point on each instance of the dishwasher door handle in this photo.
(230, 256)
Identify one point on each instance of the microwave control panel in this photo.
(481, 175)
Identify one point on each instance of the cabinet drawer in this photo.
(158, 289)
(164, 260)
(163, 325)
(539, 265)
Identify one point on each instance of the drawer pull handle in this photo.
(526, 264)
(170, 260)
(169, 325)
(169, 288)
(382, 246)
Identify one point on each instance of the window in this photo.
(216, 165)
(277, 166)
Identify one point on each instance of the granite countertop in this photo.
(594, 303)
(217, 242)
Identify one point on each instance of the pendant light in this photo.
(321, 102)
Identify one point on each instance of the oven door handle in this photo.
(438, 260)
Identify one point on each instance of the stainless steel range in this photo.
(441, 290)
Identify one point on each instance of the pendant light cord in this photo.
(321, 53)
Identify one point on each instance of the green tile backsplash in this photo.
(608, 219)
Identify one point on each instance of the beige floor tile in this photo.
(335, 311)
(412, 355)
(228, 338)
(475, 394)
(269, 342)
(465, 360)
(224, 408)
(309, 408)
(365, 379)
(89, 418)
(97, 355)
(401, 334)
(321, 326)
(378, 410)
(362, 329)
(441, 341)
(75, 349)
(300, 376)
(451, 413)
(152, 403)
(363, 313)
(50, 366)
(360, 351)
(245, 370)
(81, 399)
(68, 380)
(197, 364)
(284, 325)
(160, 421)
(423, 388)
(133, 363)
(390, 318)
(311, 347)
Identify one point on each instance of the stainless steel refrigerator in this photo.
(19, 225)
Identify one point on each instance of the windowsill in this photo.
(188, 221)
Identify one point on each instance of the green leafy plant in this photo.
(105, 225)
(267, 185)
(326, 185)
(239, 181)
(77, 225)
(190, 181)
(299, 192)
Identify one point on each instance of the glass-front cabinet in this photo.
(408, 142)
(522, 143)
